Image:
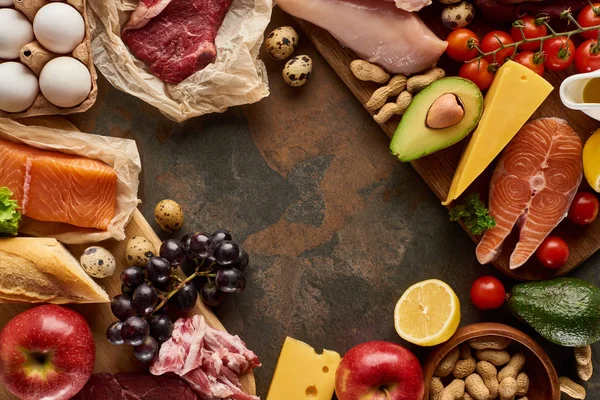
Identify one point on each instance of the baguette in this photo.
(40, 270)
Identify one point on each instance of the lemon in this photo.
(591, 160)
(428, 313)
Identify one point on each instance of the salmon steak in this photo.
(55, 187)
(533, 186)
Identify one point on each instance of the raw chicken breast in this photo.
(411, 5)
(377, 31)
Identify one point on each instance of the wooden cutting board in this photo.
(438, 169)
(111, 358)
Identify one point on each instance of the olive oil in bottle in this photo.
(591, 91)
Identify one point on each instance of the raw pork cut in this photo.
(175, 38)
(209, 360)
(132, 386)
(533, 186)
(377, 31)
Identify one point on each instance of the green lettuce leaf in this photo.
(9, 213)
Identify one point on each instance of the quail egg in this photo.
(282, 42)
(139, 250)
(169, 216)
(15, 32)
(297, 71)
(458, 15)
(98, 262)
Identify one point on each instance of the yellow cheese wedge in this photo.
(301, 373)
(512, 99)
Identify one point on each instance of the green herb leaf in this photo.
(9, 213)
(474, 214)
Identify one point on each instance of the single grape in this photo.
(121, 307)
(132, 277)
(173, 251)
(242, 261)
(227, 252)
(159, 270)
(144, 297)
(135, 330)
(161, 328)
(185, 298)
(221, 235)
(211, 295)
(146, 351)
(202, 245)
(113, 333)
(230, 280)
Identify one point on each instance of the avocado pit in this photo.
(446, 111)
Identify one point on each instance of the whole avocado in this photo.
(565, 311)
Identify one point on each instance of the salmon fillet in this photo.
(56, 187)
(533, 186)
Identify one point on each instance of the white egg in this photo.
(18, 87)
(59, 27)
(65, 82)
(15, 32)
(7, 3)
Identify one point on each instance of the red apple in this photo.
(46, 352)
(379, 371)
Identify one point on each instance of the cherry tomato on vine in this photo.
(590, 16)
(532, 29)
(587, 56)
(530, 60)
(494, 40)
(559, 52)
(553, 252)
(458, 45)
(584, 208)
(487, 293)
(477, 71)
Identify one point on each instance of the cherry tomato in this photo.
(560, 53)
(531, 30)
(477, 71)
(528, 59)
(458, 45)
(587, 56)
(487, 293)
(590, 16)
(553, 252)
(584, 208)
(491, 42)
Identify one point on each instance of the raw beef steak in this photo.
(175, 38)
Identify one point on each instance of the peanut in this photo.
(466, 365)
(489, 374)
(522, 384)
(490, 342)
(513, 367)
(390, 109)
(417, 83)
(446, 366)
(476, 387)
(365, 71)
(585, 368)
(435, 388)
(507, 388)
(571, 388)
(496, 357)
(394, 87)
(454, 391)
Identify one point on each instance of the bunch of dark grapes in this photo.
(214, 265)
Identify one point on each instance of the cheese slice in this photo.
(301, 373)
(512, 99)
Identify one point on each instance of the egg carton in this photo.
(35, 57)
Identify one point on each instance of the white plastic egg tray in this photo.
(35, 57)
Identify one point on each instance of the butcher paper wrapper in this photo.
(236, 77)
(121, 154)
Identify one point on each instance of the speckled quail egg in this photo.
(458, 15)
(139, 250)
(297, 71)
(98, 262)
(282, 42)
(169, 216)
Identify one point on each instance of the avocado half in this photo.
(414, 139)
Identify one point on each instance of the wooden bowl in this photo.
(542, 375)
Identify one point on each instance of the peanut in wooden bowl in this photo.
(542, 375)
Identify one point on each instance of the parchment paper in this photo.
(236, 77)
(121, 154)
